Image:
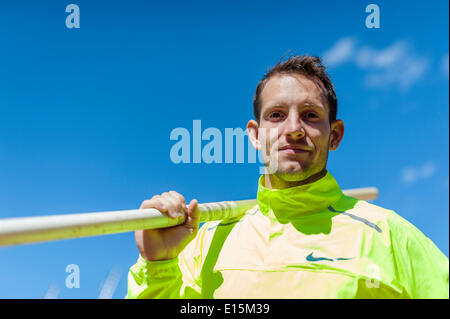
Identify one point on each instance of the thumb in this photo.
(193, 217)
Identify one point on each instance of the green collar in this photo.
(299, 201)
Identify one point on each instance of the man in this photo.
(304, 239)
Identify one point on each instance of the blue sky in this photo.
(86, 114)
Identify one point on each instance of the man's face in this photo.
(298, 134)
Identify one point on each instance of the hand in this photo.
(167, 243)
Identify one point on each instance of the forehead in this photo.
(293, 89)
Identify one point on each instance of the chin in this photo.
(296, 173)
(296, 177)
(293, 175)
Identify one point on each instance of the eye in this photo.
(311, 115)
(276, 115)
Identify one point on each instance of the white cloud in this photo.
(341, 52)
(412, 174)
(403, 75)
(428, 170)
(394, 65)
(390, 56)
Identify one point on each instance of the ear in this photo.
(336, 135)
(252, 131)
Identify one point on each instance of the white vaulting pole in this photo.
(15, 231)
(365, 193)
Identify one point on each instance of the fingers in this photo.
(174, 204)
(170, 203)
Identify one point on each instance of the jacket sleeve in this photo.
(423, 268)
(169, 279)
(156, 279)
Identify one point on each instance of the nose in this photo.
(294, 127)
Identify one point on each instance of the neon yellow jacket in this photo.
(309, 241)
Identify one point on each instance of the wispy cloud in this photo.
(342, 51)
(412, 174)
(395, 65)
(367, 57)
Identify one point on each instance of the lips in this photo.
(294, 149)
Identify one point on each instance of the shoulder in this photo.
(372, 211)
(421, 266)
(403, 235)
(397, 224)
(384, 220)
(357, 212)
(378, 214)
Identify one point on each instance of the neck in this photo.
(272, 181)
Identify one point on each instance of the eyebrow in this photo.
(304, 105)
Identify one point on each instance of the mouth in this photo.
(294, 149)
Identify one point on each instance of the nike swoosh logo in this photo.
(310, 257)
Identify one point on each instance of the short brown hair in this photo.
(304, 65)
